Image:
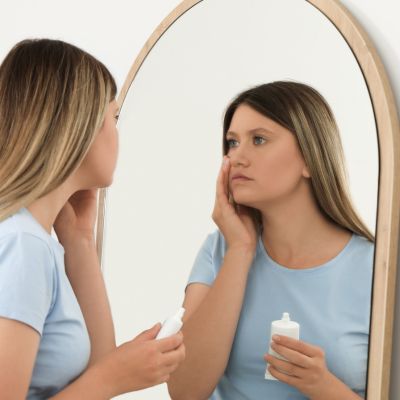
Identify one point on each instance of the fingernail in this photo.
(276, 338)
(225, 161)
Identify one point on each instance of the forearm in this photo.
(84, 273)
(91, 385)
(210, 331)
(335, 389)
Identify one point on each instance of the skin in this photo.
(134, 365)
(280, 189)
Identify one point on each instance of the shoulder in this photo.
(215, 243)
(20, 232)
(362, 247)
(24, 251)
(208, 259)
(359, 259)
(28, 277)
(22, 243)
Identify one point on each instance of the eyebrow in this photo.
(251, 131)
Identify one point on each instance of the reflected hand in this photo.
(142, 362)
(78, 217)
(236, 225)
(305, 368)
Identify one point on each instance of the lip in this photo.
(240, 177)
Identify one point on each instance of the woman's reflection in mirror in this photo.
(288, 240)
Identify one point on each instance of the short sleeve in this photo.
(27, 279)
(208, 260)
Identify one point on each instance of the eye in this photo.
(259, 140)
(116, 117)
(231, 142)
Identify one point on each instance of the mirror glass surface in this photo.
(158, 209)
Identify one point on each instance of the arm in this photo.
(84, 273)
(18, 347)
(213, 313)
(19, 344)
(209, 328)
(135, 365)
(75, 230)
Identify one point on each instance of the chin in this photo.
(245, 201)
(108, 183)
(103, 183)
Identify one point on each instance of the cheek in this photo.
(109, 152)
(111, 145)
(108, 143)
(282, 169)
(99, 164)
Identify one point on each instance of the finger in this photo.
(226, 166)
(164, 378)
(293, 356)
(174, 357)
(290, 380)
(297, 345)
(285, 366)
(169, 369)
(170, 343)
(222, 190)
(244, 213)
(149, 334)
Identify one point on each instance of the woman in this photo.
(58, 144)
(289, 240)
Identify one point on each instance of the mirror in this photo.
(157, 213)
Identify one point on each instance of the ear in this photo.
(306, 172)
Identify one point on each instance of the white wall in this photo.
(115, 32)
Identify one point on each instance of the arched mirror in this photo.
(156, 214)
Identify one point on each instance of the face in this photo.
(99, 164)
(267, 154)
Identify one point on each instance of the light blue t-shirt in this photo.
(331, 302)
(34, 289)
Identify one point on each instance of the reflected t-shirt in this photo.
(35, 290)
(331, 302)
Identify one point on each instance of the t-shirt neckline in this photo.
(316, 268)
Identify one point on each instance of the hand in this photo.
(305, 368)
(142, 362)
(78, 216)
(236, 225)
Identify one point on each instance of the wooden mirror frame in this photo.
(387, 229)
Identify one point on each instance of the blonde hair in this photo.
(53, 100)
(303, 111)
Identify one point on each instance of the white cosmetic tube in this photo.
(171, 325)
(284, 327)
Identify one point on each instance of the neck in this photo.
(295, 231)
(46, 209)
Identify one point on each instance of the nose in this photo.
(238, 156)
